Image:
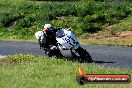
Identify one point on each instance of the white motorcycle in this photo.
(66, 40)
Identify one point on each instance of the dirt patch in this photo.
(97, 35)
(5, 61)
(64, 17)
(109, 27)
(118, 35)
(124, 34)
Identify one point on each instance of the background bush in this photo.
(82, 16)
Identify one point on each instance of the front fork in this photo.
(83, 54)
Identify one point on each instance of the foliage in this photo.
(83, 16)
(56, 0)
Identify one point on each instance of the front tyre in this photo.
(84, 55)
(55, 52)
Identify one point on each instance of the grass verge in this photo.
(27, 71)
(107, 41)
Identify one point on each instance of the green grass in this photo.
(117, 34)
(123, 25)
(27, 71)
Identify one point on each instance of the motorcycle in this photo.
(66, 40)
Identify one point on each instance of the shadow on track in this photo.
(77, 60)
(101, 62)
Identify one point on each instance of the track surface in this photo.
(107, 56)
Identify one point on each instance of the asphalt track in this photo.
(106, 56)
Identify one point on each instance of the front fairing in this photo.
(68, 40)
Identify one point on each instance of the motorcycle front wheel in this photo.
(55, 52)
(84, 55)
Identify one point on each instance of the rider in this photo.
(47, 40)
(50, 34)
